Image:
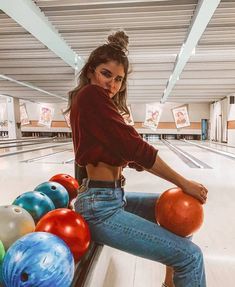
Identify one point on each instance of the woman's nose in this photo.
(111, 82)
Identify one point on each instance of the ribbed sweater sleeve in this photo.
(102, 119)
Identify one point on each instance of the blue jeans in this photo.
(126, 221)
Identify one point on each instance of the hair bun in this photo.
(119, 40)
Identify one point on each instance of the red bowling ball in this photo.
(69, 226)
(69, 182)
(179, 212)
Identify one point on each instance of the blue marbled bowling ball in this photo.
(36, 203)
(57, 193)
(1, 279)
(38, 259)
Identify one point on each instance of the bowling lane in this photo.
(216, 236)
(7, 140)
(164, 152)
(211, 158)
(18, 176)
(217, 146)
(22, 150)
(63, 157)
(23, 144)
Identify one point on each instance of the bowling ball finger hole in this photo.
(53, 187)
(43, 194)
(66, 176)
(24, 277)
(17, 210)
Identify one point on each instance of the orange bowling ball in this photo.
(69, 182)
(70, 227)
(179, 212)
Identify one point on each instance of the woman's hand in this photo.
(196, 190)
(193, 188)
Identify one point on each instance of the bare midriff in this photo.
(103, 172)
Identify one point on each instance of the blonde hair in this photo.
(114, 50)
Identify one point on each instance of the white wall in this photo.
(231, 113)
(196, 112)
(3, 108)
(33, 110)
(231, 137)
(231, 117)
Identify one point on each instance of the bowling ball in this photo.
(56, 192)
(179, 212)
(1, 279)
(2, 253)
(15, 222)
(38, 259)
(69, 182)
(69, 226)
(36, 203)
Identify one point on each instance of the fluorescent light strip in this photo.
(32, 87)
(30, 17)
(202, 16)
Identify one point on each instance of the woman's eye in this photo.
(106, 74)
(119, 80)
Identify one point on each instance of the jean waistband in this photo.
(90, 183)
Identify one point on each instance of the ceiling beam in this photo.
(28, 15)
(202, 16)
(31, 87)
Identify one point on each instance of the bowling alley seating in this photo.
(83, 267)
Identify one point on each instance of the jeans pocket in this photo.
(104, 203)
(83, 207)
(79, 205)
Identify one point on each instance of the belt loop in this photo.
(85, 182)
(123, 181)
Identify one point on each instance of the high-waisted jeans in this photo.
(126, 221)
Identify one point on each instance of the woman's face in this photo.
(180, 115)
(109, 76)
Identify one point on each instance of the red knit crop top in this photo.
(101, 135)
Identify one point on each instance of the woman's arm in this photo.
(163, 170)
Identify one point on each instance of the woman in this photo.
(103, 145)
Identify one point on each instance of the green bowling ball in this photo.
(2, 251)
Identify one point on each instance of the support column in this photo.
(13, 113)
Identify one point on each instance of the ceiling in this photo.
(180, 50)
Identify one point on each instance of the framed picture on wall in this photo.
(181, 116)
(128, 118)
(24, 119)
(45, 116)
(67, 118)
(152, 115)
